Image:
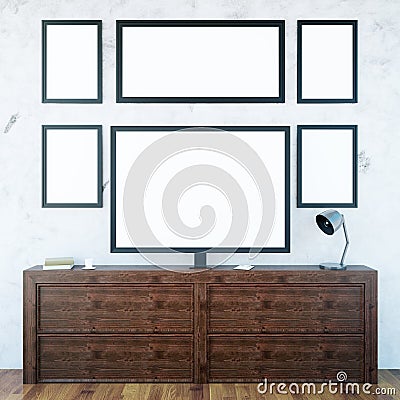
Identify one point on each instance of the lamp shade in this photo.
(329, 221)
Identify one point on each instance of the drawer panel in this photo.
(286, 309)
(139, 358)
(124, 309)
(250, 358)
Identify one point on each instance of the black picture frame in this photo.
(113, 238)
(300, 99)
(99, 99)
(200, 23)
(300, 202)
(99, 203)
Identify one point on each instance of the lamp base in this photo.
(333, 266)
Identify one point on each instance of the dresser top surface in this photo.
(227, 268)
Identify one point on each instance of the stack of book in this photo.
(58, 263)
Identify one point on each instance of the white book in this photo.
(54, 267)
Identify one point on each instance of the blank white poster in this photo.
(72, 166)
(200, 61)
(327, 166)
(72, 61)
(327, 61)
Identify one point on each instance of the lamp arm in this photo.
(347, 242)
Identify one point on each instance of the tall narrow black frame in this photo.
(115, 249)
(98, 23)
(300, 24)
(300, 203)
(99, 203)
(200, 23)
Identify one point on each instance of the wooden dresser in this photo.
(146, 324)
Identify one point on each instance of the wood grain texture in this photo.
(371, 328)
(109, 357)
(199, 327)
(29, 327)
(126, 308)
(282, 309)
(11, 388)
(282, 274)
(201, 333)
(295, 358)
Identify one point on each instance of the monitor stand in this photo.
(200, 261)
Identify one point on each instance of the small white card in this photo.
(89, 264)
(244, 267)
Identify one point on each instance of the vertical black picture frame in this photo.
(300, 97)
(99, 202)
(300, 202)
(99, 98)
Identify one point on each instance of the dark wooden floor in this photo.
(11, 388)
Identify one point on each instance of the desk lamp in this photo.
(330, 222)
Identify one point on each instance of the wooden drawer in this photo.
(139, 358)
(285, 309)
(124, 309)
(250, 358)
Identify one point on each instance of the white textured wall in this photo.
(28, 233)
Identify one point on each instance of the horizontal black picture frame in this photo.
(163, 60)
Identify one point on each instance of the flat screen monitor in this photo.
(200, 189)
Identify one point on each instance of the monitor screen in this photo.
(220, 189)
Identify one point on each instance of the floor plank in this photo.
(11, 388)
(10, 382)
